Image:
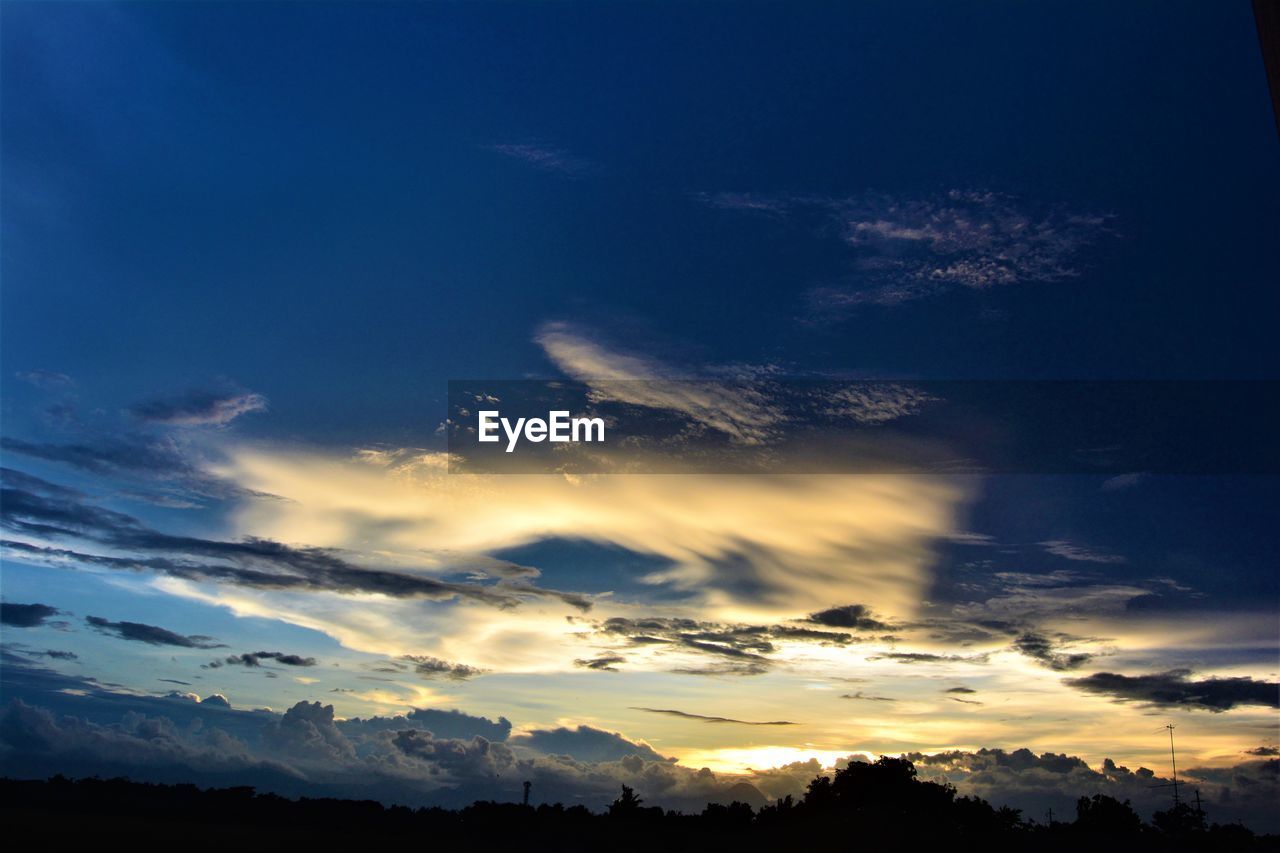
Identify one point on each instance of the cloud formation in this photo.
(432, 667)
(685, 715)
(740, 410)
(1176, 688)
(199, 408)
(150, 634)
(26, 615)
(546, 158)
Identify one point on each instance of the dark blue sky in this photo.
(308, 200)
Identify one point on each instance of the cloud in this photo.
(55, 654)
(199, 408)
(26, 615)
(546, 158)
(960, 690)
(1070, 551)
(37, 743)
(739, 550)
(603, 663)
(873, 403)
(1040, 648)
(670, 712)
(861, 696)
(254, 659)
(45, 378)
(430, 667)
(1034, 782)
(451, 723)
(1267, 751)
(150, 634)
(929, 657)
(585, 743)
(740, 410)
(12, 478)
(855, 616)
(747, 646)
(252, 562)
(161, 461)
(1123, 481)
(109, 457)
(1020, 598)
(1175, 688)
(904, 249)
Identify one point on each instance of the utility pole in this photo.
(527, 786)
(1173, 758)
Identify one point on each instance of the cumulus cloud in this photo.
(35, 741)
(199, 408)
(1176, 688)
(1033, 782)
(585, 743)
(432, 756)
(150, 634)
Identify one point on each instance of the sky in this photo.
(247, 247)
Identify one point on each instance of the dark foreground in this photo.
(871, 807)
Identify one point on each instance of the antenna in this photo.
(1173, 757)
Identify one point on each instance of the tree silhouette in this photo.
(627, 805)
(871, 806)
(1106, 816)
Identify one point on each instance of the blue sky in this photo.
(246, 247)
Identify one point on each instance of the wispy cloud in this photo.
(905, 248)
(1078, 553)
(548, 158)
(671, 712)
(151, 634)
(50, 379)
(199, 408)
(740, 410)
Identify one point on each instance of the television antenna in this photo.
(1173, 758)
